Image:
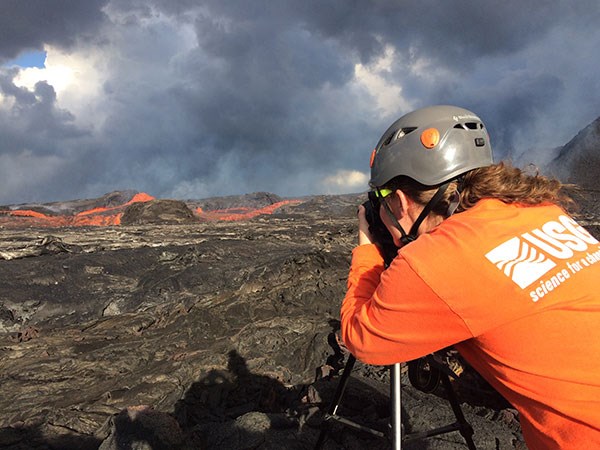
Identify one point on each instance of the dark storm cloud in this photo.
(35, 139)
(34, 121)
(221, 97)
(454, 33)
(248, 104)
(28, 24)
(489, 52)
(292, 47)
(460, 35)
(257, 91)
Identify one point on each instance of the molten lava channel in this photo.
(111, 216)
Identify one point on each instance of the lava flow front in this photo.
(47, 215)
(242, 213)
(100, 216)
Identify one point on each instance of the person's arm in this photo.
(393, 316)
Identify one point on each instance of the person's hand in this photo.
(364, 236)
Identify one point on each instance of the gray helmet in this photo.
(431, 145)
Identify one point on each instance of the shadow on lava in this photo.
(235, 409)
(33, 438)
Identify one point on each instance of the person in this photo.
(489, 262)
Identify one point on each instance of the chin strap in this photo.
(413, 233)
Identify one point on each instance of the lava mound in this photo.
(255, 200)
(158, 212)
(578, 160)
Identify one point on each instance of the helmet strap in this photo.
(413, 234)
(405, 238)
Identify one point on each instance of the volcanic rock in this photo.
(579, 160)
(141, 428)
(165, 212)
(226, 331)
(72, 207)
(254, 200)
(77, 213)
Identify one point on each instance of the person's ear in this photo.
(403, 201)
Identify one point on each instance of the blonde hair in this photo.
(501, 181)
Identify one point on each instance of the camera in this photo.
(382, 237)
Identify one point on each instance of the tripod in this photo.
(435, 373)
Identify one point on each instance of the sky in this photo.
(189, 99)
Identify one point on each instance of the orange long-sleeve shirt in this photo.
(515, 290)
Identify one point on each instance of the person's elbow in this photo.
(360, 343)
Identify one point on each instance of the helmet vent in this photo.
(397, 135)
(469, 126)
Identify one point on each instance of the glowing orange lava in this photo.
(91, 217)
(104, 216)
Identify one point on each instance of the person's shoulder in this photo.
(490, 211)
(488, 220)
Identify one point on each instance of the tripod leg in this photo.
(396, 418)
(335, 403)
(465, 428)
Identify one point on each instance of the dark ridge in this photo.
(158, 212)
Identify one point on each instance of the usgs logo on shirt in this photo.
(528, 257)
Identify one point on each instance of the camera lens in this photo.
(374, 201)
